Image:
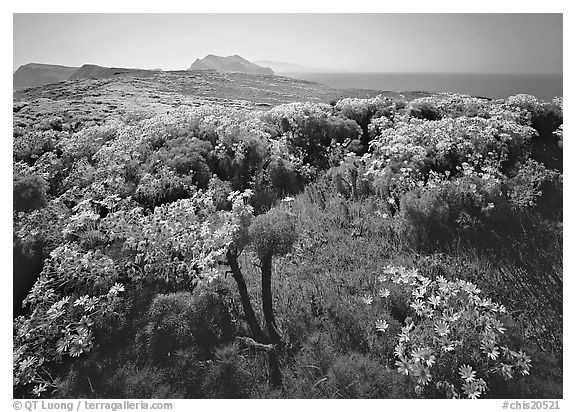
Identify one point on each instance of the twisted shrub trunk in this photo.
(253, 324)
(267, 306)
(245, 298)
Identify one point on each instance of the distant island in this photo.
(229, 64)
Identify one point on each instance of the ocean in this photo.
(496, 86)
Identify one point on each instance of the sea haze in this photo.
(496, 86)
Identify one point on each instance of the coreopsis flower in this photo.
(39, 389)
(422, 374)
(418, 293)
(434, 301)
(490, 350)
(403, 366)
(381, 325)
(117, 288)
(384, 293)
(467, 373)
(442, 328)
(367, 299)
(418, 306)
(471, 390)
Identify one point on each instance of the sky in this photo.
(477, 43)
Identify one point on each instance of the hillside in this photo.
(36, 74)
(92, 71)
(94, 100)
(228, 64)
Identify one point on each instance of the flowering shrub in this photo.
(75, 295)
(309, 129)
(451, 324)
(164, 186)
(181, 242)
(450, 105)
(30, 145)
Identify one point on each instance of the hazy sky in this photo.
(498, 43)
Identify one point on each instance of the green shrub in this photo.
(186, 156)
(181, 320)
(283, 177)
(29, 192)
(425, 110)
(273, 233)
(30, 145)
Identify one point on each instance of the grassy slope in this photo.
(334, 350)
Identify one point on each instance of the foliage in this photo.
(273, 233)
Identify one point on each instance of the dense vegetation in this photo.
(365, 248)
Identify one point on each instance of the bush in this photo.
(29, 192)
(186, 156)
(283, 177)
(425, 110)
(181, 320)
(273, 233)
(30, 145)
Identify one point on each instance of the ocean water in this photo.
(496, 86)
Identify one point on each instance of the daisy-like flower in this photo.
(448, 346)
(471, 390)
(418, 293)
(81, 300)
(469, 288)
(38, 389)
(383, 278)
(384, 293)
(397, 278)
(418, 306)
(404, 336)
(367, 299)
(422, 374)
(424, 281)
(399, 350)
(403, 366)
(381, 325)
(442, 328)
(451, 317)
(434, 301)
(496, 324)
(467, 373)
(490, 350)
(117, 288)
(485, 303)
